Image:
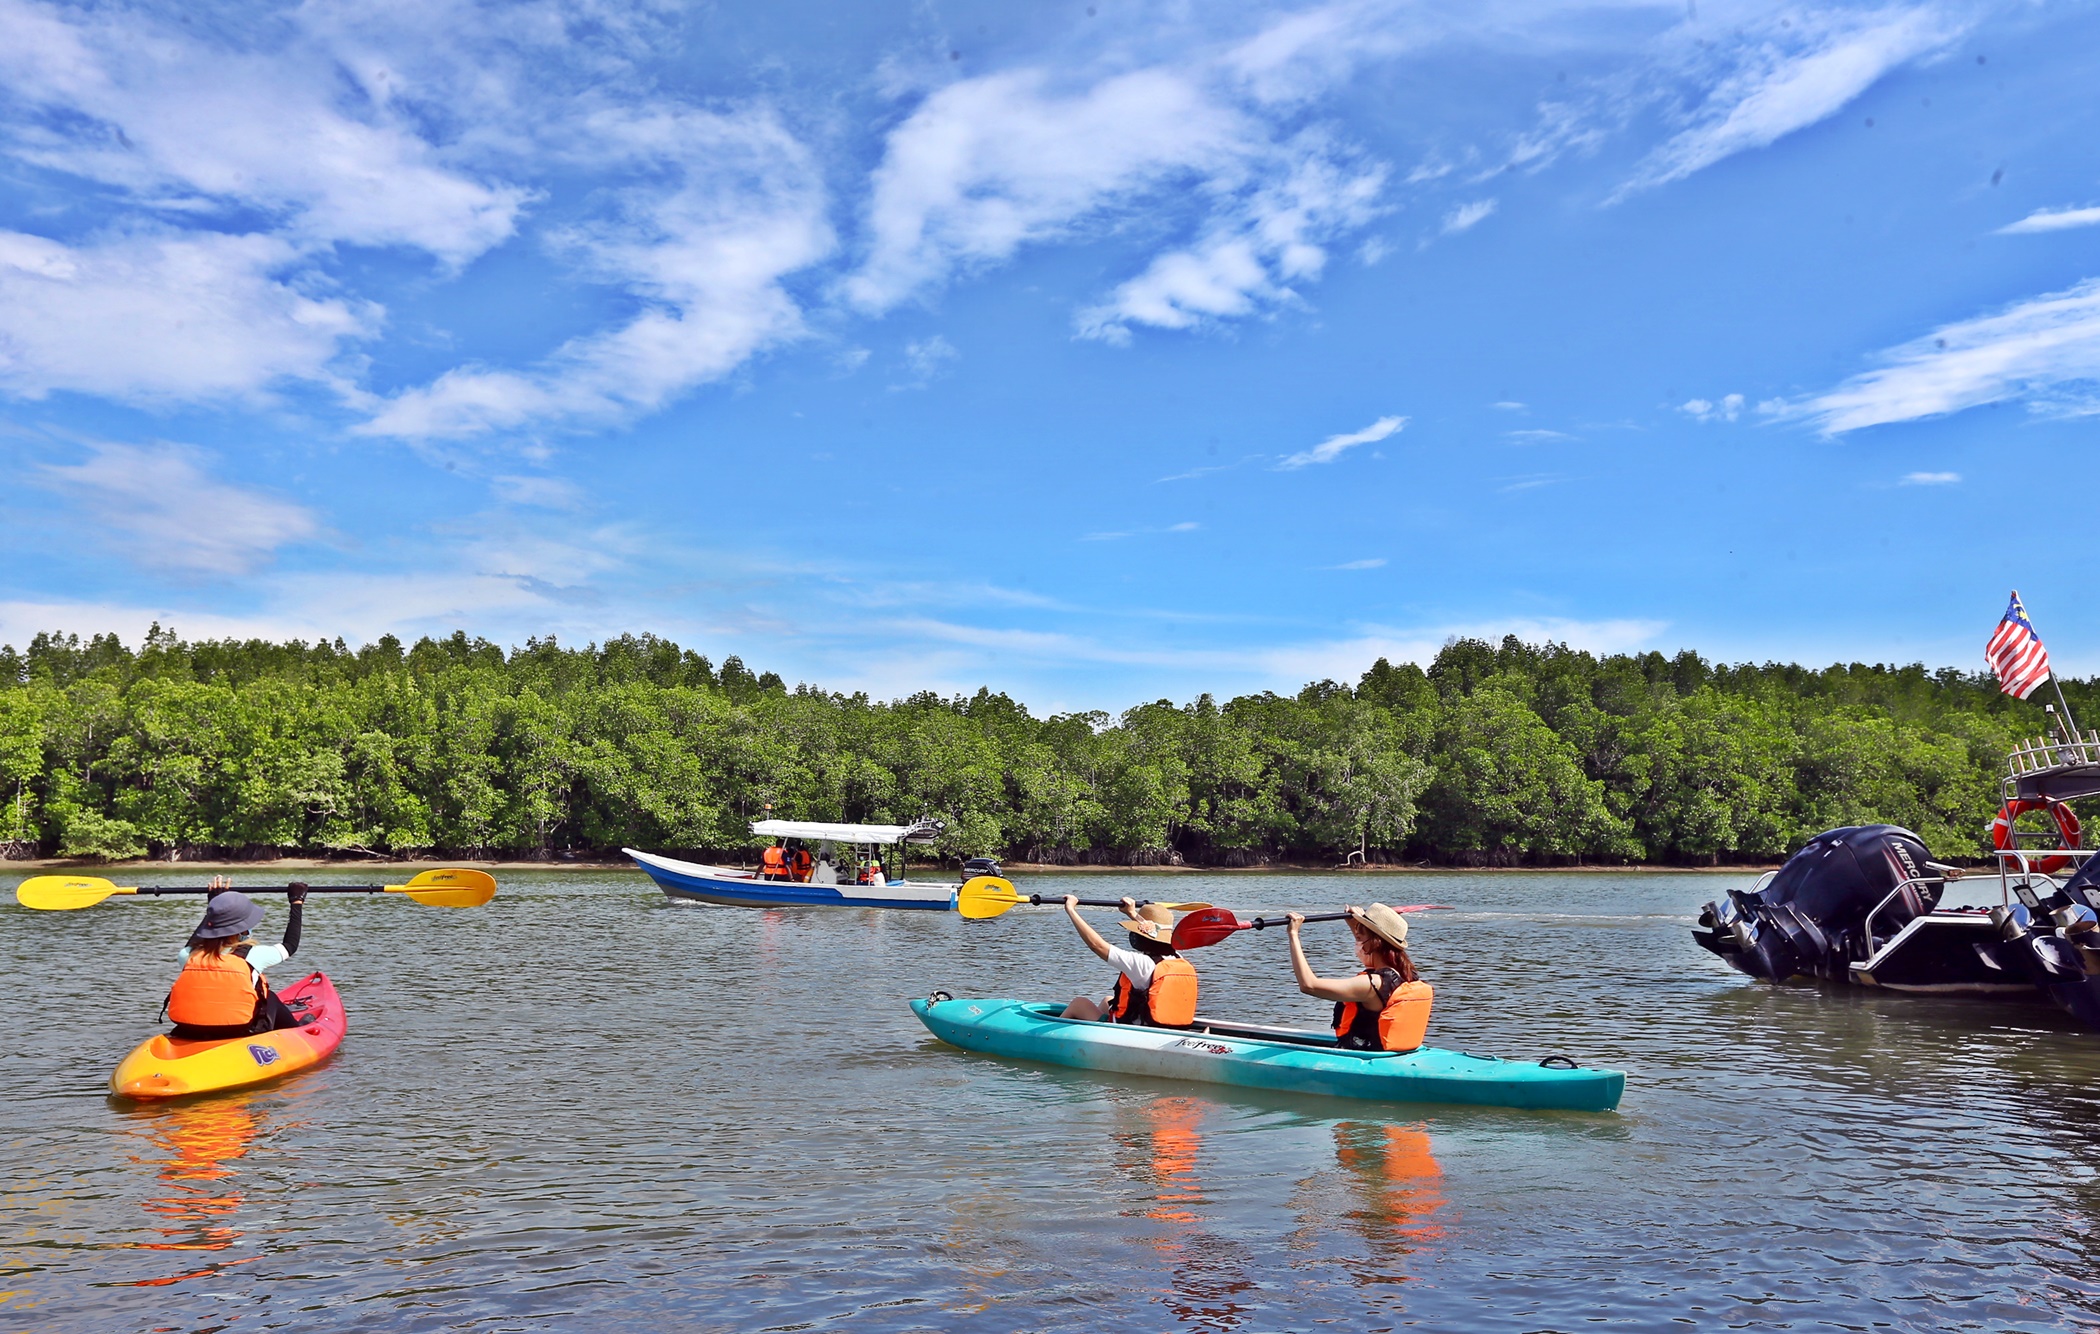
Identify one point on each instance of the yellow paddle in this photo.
(990, 895)
(448, 888)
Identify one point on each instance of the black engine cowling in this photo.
(1810, 918)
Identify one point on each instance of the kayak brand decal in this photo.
(263, 1055)
(1197, 1044)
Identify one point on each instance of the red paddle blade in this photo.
(1206, 927)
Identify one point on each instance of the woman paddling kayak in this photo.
(1154, 985)
(1386, 1006)
(221, 991)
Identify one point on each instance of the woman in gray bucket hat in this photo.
(221, 991)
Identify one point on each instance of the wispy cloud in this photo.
(1334, 446)
(1530, 481)
(1537, 436)
(1930, 479)
(731, 205)
(160, 505)
(2045, 349)
(1795, 73)
(2053, 220)
(1700, 409)
(1467, 216)
(1205, 471)
(1370, 563)
(925, 360)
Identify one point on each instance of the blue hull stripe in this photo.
(775, 893)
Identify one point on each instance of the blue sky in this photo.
(1096, 352)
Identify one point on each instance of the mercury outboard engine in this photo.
(978, 866)
(1809, 919)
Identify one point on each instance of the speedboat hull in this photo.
(697, 883)
(1221, 1053)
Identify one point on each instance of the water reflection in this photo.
(1162, 1147)
(194, 1147)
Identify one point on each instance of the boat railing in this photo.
(2014, 866)
(2049, 752)
(1873, 941)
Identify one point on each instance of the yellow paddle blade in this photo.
(986, 896)
(60, 892)
(452, 887)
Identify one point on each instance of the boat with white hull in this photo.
(843, 851)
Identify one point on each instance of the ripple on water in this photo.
(728, 1120)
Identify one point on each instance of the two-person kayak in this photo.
(1256, 1056)
(169, 1067)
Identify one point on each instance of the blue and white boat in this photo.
(843, 853)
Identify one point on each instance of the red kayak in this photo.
(170, 1067)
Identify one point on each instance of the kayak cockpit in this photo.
(1269, 1033)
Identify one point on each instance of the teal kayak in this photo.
(1256, 1056)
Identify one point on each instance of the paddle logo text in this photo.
(263, 1055)
(1197, 1044)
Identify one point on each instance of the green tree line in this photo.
(1496, 754)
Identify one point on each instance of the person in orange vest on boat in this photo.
(871, 874)
(803, 864)
(1386, 1006)
(772, 863)
(221, 991)
(1154, 985)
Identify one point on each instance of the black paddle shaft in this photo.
(1040, 899)
(263, 889)
(1260, 922)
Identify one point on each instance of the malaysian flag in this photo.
(2016, 653)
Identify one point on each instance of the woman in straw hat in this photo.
(1154, 985)
(1386, 1006)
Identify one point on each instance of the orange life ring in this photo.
(2066, 826)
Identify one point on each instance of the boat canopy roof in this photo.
(2065, 782)
(925, 831)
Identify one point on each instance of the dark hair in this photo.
(1384, 953)
(1150, 948)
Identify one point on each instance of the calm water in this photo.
(720, 1119)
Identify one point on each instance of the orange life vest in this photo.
(1400, 1026)
(872, 875)
(216, 991)
(803, 863)
(1169, 1002)
(772, 863)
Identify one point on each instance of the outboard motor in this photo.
(1810, 917)
(978, 866)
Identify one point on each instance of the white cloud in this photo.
(2053, 220)
(2045, 349)
(164, 316)
(1333, 447)
(732, 205)
(1538, 437)
(161, 506)
(1255, 245)
(987, 165)
(1790, 77)
(1530, 481)
(1371, 563)
(1930, 479)
(1700, 409)
(925, 360)
(183, 122)
(1466, 216)
(550, 493)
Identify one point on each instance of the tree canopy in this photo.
(1497, 754)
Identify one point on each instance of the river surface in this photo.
(585, 1108)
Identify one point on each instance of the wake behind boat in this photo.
(843, 871)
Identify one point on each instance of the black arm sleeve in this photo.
(291, 930)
